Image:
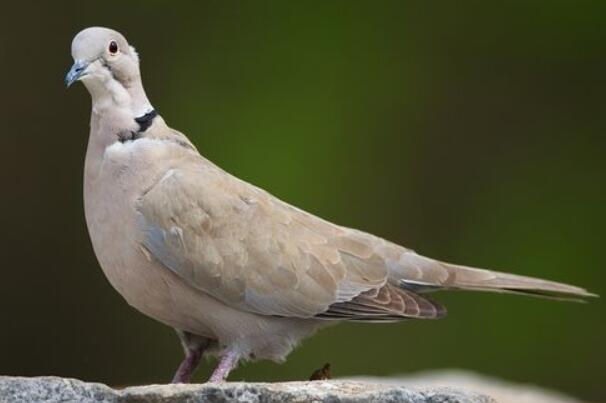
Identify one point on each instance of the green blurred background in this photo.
(473, 132)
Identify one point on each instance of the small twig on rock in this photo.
(321, 374)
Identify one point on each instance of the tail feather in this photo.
(423, 274)
(495, 281)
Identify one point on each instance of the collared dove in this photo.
(237, 272)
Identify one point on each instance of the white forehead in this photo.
(89, 43)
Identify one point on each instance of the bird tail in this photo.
(439, 275)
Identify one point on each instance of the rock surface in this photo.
(55, 389)
(500, 390)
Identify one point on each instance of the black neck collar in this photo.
(146, 120)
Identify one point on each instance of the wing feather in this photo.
(386, 304)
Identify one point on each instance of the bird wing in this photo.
(250, 250)
(257, 253)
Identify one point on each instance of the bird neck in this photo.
(115, 97)
(118, 111)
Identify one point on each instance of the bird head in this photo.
(107, 65)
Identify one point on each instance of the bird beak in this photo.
(77, 71)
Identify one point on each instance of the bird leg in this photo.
(187, 367)
(229, 360)
(194, 347)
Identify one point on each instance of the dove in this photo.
(238, 273)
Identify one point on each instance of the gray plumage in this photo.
(238, 272)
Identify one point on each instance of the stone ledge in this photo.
(55, 389)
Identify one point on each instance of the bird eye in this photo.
(113, 47)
